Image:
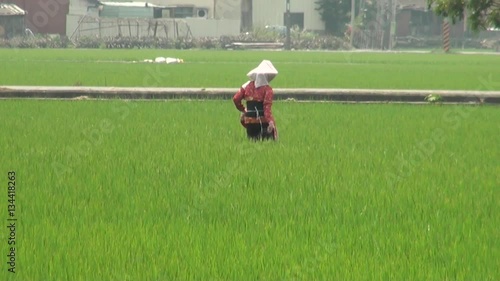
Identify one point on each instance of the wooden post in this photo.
(351, 36)
(119, 28)
(288, 27)
(215, 9)
(176, 26)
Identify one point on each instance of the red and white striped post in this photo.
(446, 35)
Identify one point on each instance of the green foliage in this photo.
(89, 42)
(367, 16)
(265, 34)
(335, 14)
(481, 14)
(172, 190)
(319, 43)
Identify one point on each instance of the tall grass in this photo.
(173, 191)
(228, 69)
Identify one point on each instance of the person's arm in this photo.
(237, 98)
(268, 103)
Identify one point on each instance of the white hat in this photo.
(263, 74)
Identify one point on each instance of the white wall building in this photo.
(272, 12)
(220, 17)
(260, 12)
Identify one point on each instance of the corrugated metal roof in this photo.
(412, 4)
(11, 10)
(131, 4)
(127, 12)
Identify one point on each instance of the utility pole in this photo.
(392, 39)
(353, 9)
(215, 9)
(287, 20)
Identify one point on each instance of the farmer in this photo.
(257, 116)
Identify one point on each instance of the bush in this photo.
(299, 40)
(88, 42)
(35, 42)
(184, 43)
(207, 43)
(320, 43)
(437, 42)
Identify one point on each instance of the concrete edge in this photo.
(340, 95)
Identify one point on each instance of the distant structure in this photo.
(44, 16)
(11, 20)
(152, 18)
(204, 17)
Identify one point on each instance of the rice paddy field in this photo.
(173, 190)
(227, 69)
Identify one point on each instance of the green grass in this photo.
(228, 69)
(113, 190)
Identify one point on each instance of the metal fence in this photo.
(131, 27)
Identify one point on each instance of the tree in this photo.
(335, 14)
(367, 14)
(481, 14)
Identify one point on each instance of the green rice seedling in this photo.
(173, 190)
(227, 69)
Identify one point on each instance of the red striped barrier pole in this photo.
(446, 35)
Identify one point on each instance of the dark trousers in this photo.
(257, 132)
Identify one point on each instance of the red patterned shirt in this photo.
(263, 94)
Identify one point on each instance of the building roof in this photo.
(420, 5)
(11, 10)
(130, 4)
